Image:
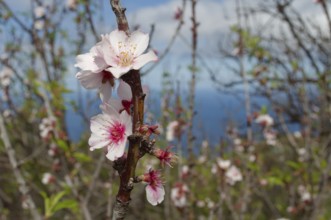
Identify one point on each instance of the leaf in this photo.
(55, 199)
(275, 181)
(81, 157)
(293, 164)
(264, 110)
(66, 204)
(63, 145)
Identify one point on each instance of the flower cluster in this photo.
(266, 122)
(115, 55)
(39, 14)
(47, 126)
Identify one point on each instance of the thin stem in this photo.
(193, 79)
(128, 173)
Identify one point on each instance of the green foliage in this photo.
(81, 157)
(55, 203)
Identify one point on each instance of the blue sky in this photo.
(215, 18)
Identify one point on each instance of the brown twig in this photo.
(190, 137)
(134, 81)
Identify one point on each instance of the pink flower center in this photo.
(117, 133)
(153, 178)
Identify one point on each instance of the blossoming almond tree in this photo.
(120, 55)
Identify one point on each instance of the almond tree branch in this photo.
(128, 173)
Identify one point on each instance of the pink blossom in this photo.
(53, 150)
(5, 76)
(223, 164)
(149, 130)
(125, 97)
(71, 4)
(39, 24)
(47, 178)
(233, 175)
(171, 130)
(165, 156)
(154, 189)
(178, 14)
(110, 129)
(94, 73)
(39, 11)
(125, 52)
(214, 169)
(185, 171)
(264, 120)
(304, 193)
(179, 194)
(263, 182)
(46, 126)
(270, 137)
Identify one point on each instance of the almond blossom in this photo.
(171, 130)
(154, 189)
(47, 178)
(5, 76)
(71, 4)
(233, 175)
(178, 195)
(94, 73)
(126, 52)
(165, 156)
(304, 193)
(47, 126)
(264, 120)
(39, 24)
(110, 129)
(185, 171)
(270, 137)
(53, 150)
(223, 164)
(39, 11)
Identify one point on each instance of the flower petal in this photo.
(99, 124)
(86, 62)
(89, 79)
(107, 53)
(116, 104)
(155, 195)
(127, 121)
(118, 71)
(140, 40)
(110, 111)
(105, 91)
(97, 142)
(116, 38)
(116, 151)
(143, 59)
(124, 91)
